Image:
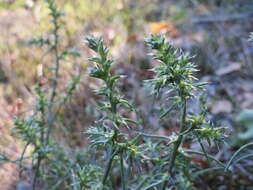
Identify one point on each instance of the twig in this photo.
(221, 18)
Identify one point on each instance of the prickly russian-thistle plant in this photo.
(163, 161)
(127, 158)
(175, 75)
(36, 130)
(107, 132)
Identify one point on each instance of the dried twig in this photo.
(221, 18)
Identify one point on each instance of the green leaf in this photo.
(165, 113)
(131, 121)
(126, 104)
(95, 59)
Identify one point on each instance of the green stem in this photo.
(122, 170)
(37, 169)
(203, 171)
(154, 136)
(180, 138)
(243, 157)
(177, 144)
(108, 167)
(209, 156)
(22, 157)
(202, 147)
(235, 154)
(142, 183)
(56, 76)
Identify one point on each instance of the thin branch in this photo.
(221, 18)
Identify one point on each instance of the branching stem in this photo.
(177, 143)
(122, 170)
(180, 138)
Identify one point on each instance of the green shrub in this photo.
(36, 129)
(163, 161)
(120, 154)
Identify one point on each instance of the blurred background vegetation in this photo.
(216, 31)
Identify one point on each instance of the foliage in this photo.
(107, 131)
(175, 75)
(36, 130)
(128, 157)
(167, 164)
(120, 155)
